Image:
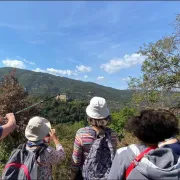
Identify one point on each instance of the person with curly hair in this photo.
(172, 142)
(145, 160)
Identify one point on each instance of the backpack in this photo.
(99, 160)
(137, 159)
(22, 164)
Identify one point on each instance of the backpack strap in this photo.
(39, 150)
(105, 132)
(108, 133)
(21, 146)
(137, 159)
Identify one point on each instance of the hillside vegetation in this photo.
(42, 84)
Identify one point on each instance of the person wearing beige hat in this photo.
(98, 116)
(39, 132)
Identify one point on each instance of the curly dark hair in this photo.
(153, 126)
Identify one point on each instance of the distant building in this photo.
(62, 97)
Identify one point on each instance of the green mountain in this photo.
(42, 84)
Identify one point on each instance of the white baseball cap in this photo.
(97, 109)
(37, 128)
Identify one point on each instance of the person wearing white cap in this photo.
(98, 117)
(38, 132)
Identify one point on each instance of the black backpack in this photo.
(99, 160)
(22, 164)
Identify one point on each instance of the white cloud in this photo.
(73, 61)
(60, 72)
(100, 78)
(127, 61)
(126, 79)
(14, 63)
(79, 79)
(25, 60)
(85, 76)
(83, 68)
(57, 72)
(29, 62)
(39, 70)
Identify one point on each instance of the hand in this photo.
(54, 137)
(1, 119)
(52, 134)
(11, 118)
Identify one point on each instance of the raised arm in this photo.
(57, 154)
(9, 126)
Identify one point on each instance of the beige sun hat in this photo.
(97, 109)
(37, 128)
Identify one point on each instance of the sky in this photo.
(95, 41)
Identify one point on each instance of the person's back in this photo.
(38, 133)
(87, 135)
(161, 163)
(47, 158)
(98, 118)
(147, 161)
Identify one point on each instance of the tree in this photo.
(13, 98)
(160, 83)
(120, 118)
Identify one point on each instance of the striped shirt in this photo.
(82, 145)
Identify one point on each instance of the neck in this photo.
(168, 141)
(97, 129)
(151, 145)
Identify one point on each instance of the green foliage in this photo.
(120, 118)
(66, 134)
(160, 84)
(64, 112)
(162, 64)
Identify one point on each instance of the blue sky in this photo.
(90, 41)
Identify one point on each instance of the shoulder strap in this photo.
(105, 132)
(108, 132)
(21, 146)
(137, 159)
(39, 150)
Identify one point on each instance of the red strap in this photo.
(20, 166)
(137, 159)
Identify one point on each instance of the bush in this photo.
(66, 134)
(120, 118)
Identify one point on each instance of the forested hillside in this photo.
(42, 84)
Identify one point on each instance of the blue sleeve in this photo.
(175, 147)
(1, 131)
